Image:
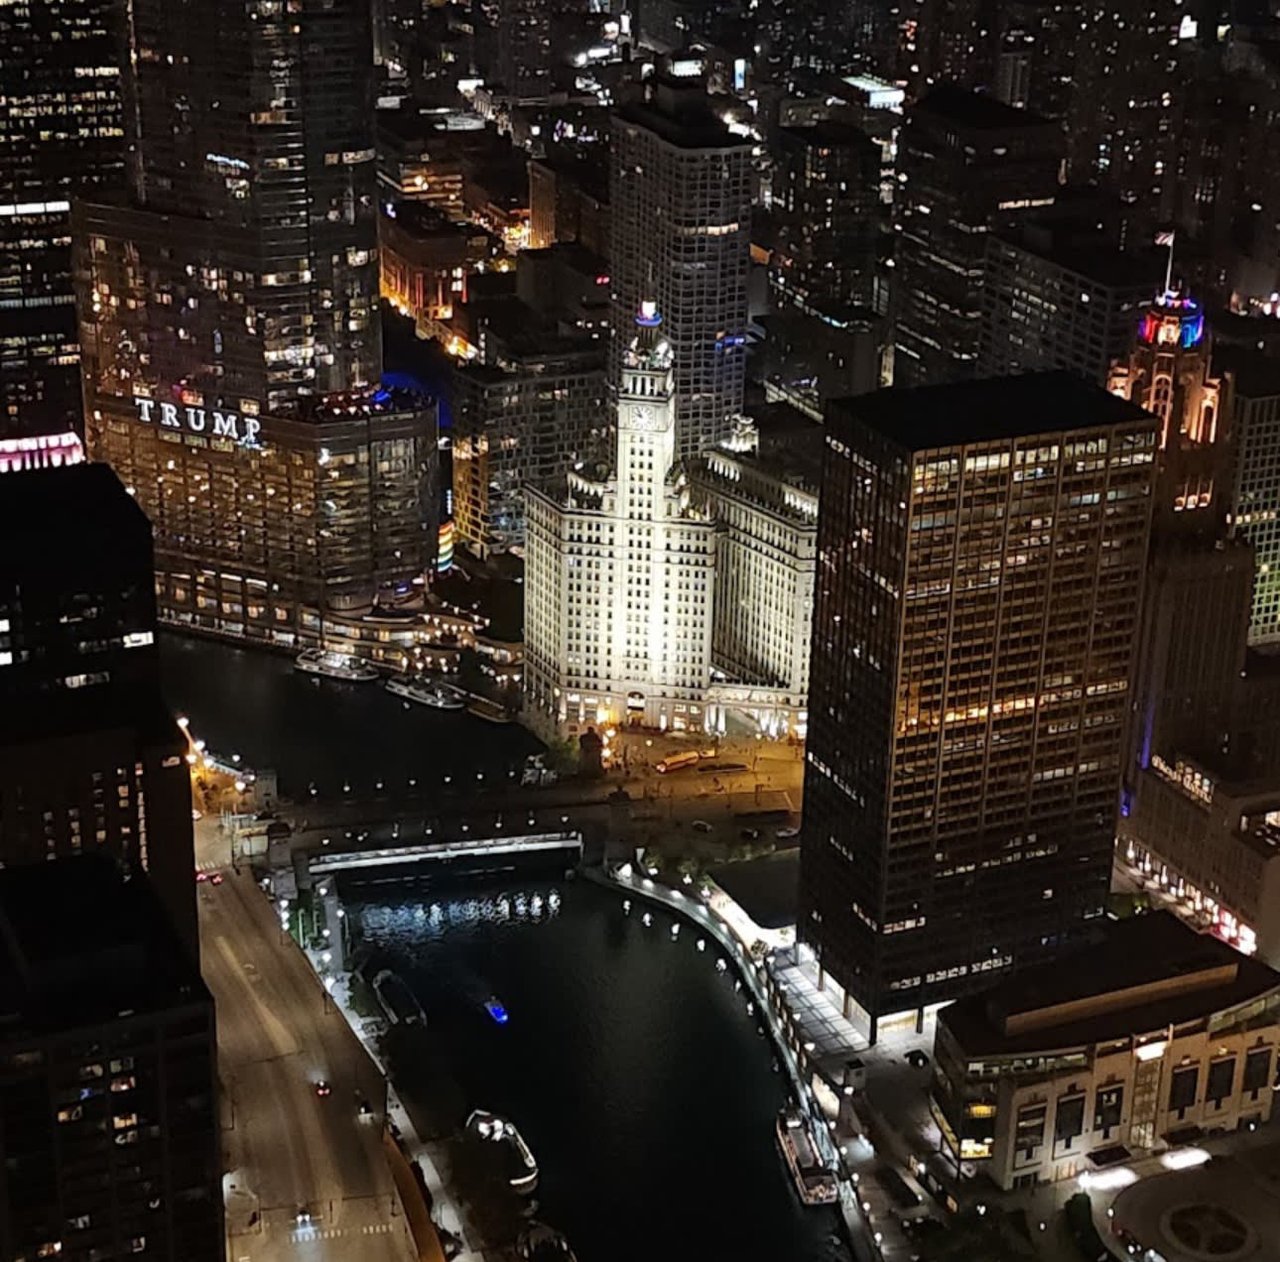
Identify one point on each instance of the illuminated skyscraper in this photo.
(620, 571)
(61, 137)
(680, 218)
(229, 320)
(980, 555)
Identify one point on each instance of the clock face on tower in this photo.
(643, 417)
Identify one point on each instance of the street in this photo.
(307, 1176)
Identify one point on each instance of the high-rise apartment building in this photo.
(968, 164)
(91, 760)
(108, 1082)
(980, 556)
(526, 422)
(826, 200)
(1255, 492)
(1054, 300)
(229, 323)
(680, 207)
(619, 572)
(61, 137)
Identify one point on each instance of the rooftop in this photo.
(81, 944)
(930, 417)
(1093, 257)
(681, 113)
(1147, 973)
(973, 109)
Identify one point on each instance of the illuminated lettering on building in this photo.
(197, 420)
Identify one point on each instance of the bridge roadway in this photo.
(395, 856)
(659, 809)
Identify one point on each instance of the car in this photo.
(216, 879)
(323, 1089)
(750, 834)
(701, 826)
(201, 877)
(917, 1058)
(365, 1109)
(786, 834)
(303, 1216)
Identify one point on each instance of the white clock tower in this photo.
(619, 573)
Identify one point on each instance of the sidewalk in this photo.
(445, 1212)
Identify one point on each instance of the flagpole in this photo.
(1168, 271)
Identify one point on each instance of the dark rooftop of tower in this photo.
(69, 521)
(930, 417)
(973, 109)
(81, 944)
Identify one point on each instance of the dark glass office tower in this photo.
(229, 321)
(980, 557)
(91, 759)
(968, 164)
(108, 1075)
(61, 137)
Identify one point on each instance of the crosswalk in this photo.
(300, 1234)
(208, 865)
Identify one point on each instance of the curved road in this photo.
(285, 1148)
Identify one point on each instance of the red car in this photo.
(323, 1089)
(216, 879)
(201, 877)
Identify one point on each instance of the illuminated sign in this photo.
(214, 422)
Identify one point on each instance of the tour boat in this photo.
(426, 692)
(335, 666)
(814, 1181)
(397, 1000)
(522, 1170)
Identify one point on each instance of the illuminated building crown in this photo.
(1173, 321)
(649, 349)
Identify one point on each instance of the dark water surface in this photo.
(324, 732)
(629, 1063)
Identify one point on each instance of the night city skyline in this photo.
(639, 631)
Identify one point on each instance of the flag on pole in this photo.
(1164, 238)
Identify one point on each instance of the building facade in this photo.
(764, 501)
(228, 311)
(680, 216)
(826, 199)
(980, 556)
(620, 573)
(1050, 302)
(1255, 492)
(967, 165)
(108, 1079)
(526, 422)
(61, 137)
(1155, 1031)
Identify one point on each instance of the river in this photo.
(629, 1063)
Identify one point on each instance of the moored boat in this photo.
(335, 666)
(814, 1180)
(430, 692)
